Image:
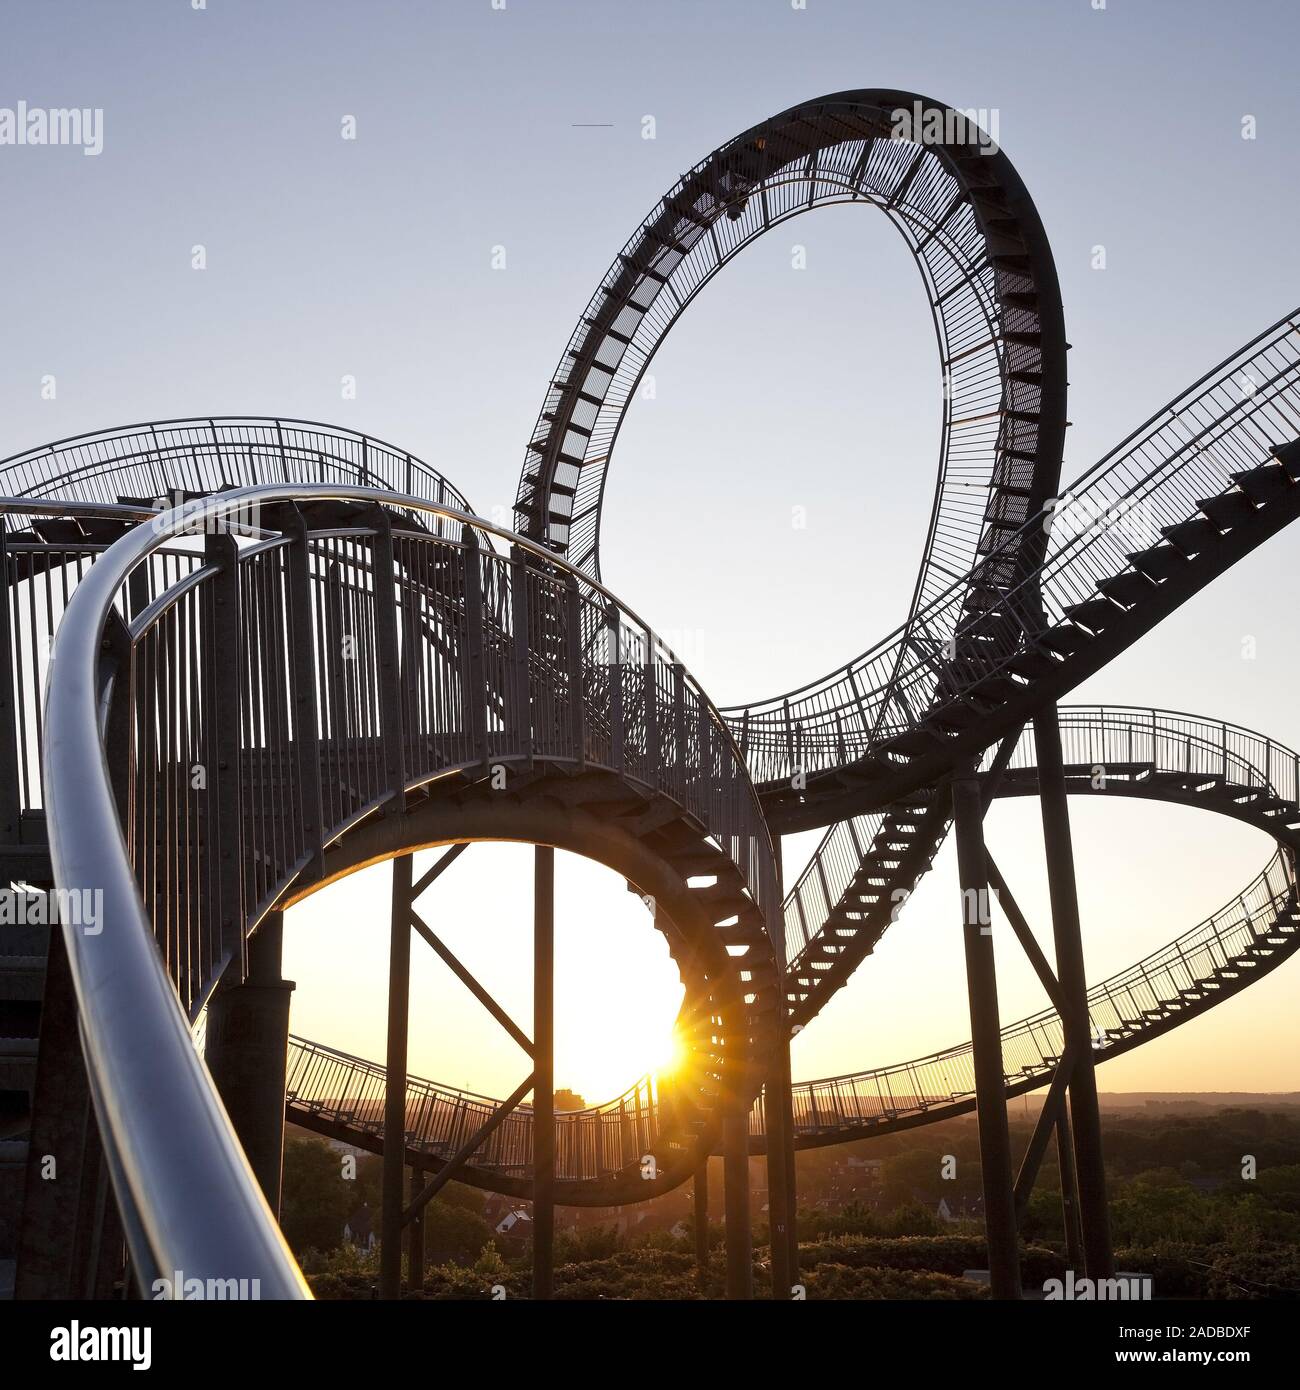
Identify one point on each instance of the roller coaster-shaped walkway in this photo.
(284, 651)
(1149, 754)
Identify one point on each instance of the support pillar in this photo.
(245, 1049)
(69, 1237)
(399, 998)
(1094, 1218)
(778, 1120)
(544, 1072)
(786, 1087)
(415, 1238)
(1069, 1189)
(986, 1042)
(740, 1240)
(701, 1204)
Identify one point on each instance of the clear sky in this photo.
(520, 127)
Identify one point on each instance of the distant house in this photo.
(359, 1229)
(516, 1222)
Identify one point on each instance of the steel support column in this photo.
(786, 1090)
(65, 1247)
(245, 1049)
(1094, 1218)
(415, 1239)
(399, 996)
(779, 1123)
(544, 1072)
(986, 1041)
(700, 1196)
(740, 1240)
(1069, 1188)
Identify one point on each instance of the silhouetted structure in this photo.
(313, 656)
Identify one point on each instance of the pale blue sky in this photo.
(521, 128)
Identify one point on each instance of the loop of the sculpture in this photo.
(988, 271)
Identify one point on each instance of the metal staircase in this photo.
(1247, 939)
(1203, 483)
(1158, 755)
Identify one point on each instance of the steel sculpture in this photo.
(285, 652)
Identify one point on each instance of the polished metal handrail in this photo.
(138, 1052)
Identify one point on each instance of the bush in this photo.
(948, 1255)
(837, 1281)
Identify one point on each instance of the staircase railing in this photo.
(1092, 736)
(1031, 1046)
(159, 458)
(1227, 421)
(241, 734)
(349, 1090)
(592, 1143)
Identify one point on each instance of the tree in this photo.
(316, 1201)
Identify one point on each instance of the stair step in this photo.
(1159, 561)
(1228, 509)
(1288, 455)
(1065, 639)
(1128, 588)
(13, 1178)
(996, 689)
(1263, 484)
(1031, 664)
(911, 743)
(25, 939)
(1094, 614)
(1193, 536)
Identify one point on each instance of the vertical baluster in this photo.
(613, 624)
(472, 684)
(302, 683)
(384, 580)
(223, 659)
(573, 653)
(522, 682)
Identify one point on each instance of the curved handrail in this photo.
(163, 1128)
(138, 1052)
